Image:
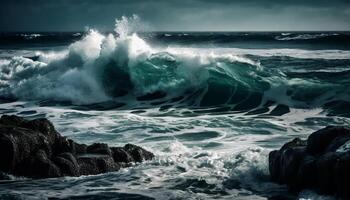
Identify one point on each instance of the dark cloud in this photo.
(70, 15)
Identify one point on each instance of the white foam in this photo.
(303, 36)
(294, 53)
(31, 36)
(344, 148)
(310, 195)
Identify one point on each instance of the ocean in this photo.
(209, 105)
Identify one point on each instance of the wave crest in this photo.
(99, 67)
(102, 67)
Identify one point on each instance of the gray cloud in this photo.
(201, 15)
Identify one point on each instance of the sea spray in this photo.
(104, 67)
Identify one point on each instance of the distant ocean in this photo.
(210, 105)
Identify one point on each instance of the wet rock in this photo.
(279, 161)
(99, 148)
(68, 164)
(137, 153)
(121, 155)
(8, 151)
(33, 148)
(63, 144)
(319, 141)
(3, 176)
(321, 162)
(80, 148)
(307, 176)
(42, 167)
(96, 164)
(70, 157)
(325, 165)
(342, 176)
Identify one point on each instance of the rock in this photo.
(4, 176)
(137, 153)
(68, 165)
(318, 142)
(70, 157)
(320, 163)
(80, 148)
(275, 166)
(291, 159)
(120, 155)
(18, 145)
(307, 175)
(42, 167)
(342, 176)
(42, 125)
(325, 165)
(279, 161)
(63, 144)
(8, 153)
(33, 148)
(99, 148)
(96, 164)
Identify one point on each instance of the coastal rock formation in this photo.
(33, 148)
(320, 163)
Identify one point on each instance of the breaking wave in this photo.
(101, 67)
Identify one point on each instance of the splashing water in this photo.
(101, 67)
(210, 114)
(127, 26)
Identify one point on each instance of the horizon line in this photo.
(177, 31)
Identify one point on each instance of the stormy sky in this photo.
(176, 15)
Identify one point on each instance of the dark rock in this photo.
(318, 141)
(18, 146)
(63, 144)
(297, 142)
(307, 175)
(33, 148)
(96, 164)
(99, 148)
(70, 157)
(321, 163)
(120, 155)
(68, 164)
(42, 167)
(290, 160)
(336, 143)
(4, 176)
(342, 175)
(8, 158)
(325, 165)
(80, 148)
(280, 161)
(11, 120)
(284, 164)
(137, 153)
(42, 125)
(274, 165)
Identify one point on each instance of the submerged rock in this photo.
(33, 148)
(321, 162)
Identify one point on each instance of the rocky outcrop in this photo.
(33, 148)
(320, 163)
